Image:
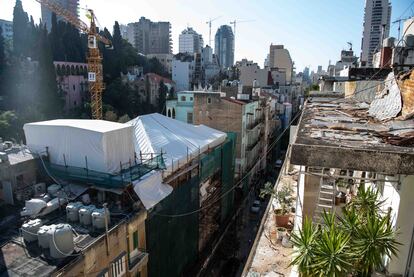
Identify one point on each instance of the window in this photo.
(208, 100)
(173, 113)
(191, 98)
(118, 267)
(135, 239)
(183, 98)
(169, 113)
(190, 118)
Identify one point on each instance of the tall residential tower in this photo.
(279, 57)
(149, 37)
(190, 41)
(69, 5)
(376, 26)
(224, 46)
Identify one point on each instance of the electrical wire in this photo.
(273, 144)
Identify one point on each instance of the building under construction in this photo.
(109, 199)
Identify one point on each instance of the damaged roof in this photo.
(341, 133)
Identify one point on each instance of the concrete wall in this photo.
(310, 195)
(404, 222)
(253, 72)
(96, 259)
(181, 74)
(9, 173)
(220, 114)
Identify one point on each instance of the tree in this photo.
(8, 120)
(162, 95)
(20, 30)
(2, 55)
(49, 101)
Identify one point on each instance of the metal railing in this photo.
(129, 172)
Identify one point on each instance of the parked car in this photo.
(255, 208)
(279, 163)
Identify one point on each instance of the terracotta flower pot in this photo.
(282, 220)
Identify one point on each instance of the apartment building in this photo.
(149, 37)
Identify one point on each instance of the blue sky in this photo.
(314, 31)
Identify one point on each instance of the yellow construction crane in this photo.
(95, 72)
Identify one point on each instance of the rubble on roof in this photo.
(387, 104)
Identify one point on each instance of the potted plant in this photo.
(284, 200)
(341, 185)
(281, 231)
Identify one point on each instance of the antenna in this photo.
(399, 24)
(350, 45)
(209, 26)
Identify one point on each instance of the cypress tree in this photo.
(2, 56)
(20, 30)
(50, 102)
(162, 95)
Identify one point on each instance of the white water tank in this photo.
(30, 228)
(85, 214)
(43, 235)
(98, 218)
(53, 189)
(72, 211)
(61, 243)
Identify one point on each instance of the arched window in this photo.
(67, 73)
(169, 113)
(77, 70)
(58, 71)
(173, 113)
(72, 70)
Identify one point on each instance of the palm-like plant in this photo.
(356, 243)
(333, 256)
(304, 242)
(367, 202)
(373, 240)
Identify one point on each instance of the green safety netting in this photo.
(126, 176)
(172, 241)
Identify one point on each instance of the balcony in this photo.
(253, 137)
(137, 258)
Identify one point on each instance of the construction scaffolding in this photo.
(172, 226)
(129, 172)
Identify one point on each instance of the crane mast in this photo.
(95, 70)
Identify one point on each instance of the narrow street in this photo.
(232, 252)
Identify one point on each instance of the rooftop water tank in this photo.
(98, 218)
(43, 235)
(72, 211)
(53, 189)
(85, 214)
(61, 243)
(30, 228)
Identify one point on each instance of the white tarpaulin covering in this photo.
(151, 190)
(105, 144)
(155, 132)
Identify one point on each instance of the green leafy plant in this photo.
(353, 244)
(284, 197)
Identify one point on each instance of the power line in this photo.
(259, 159)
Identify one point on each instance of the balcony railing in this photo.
(137, 259)
(129, 172)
